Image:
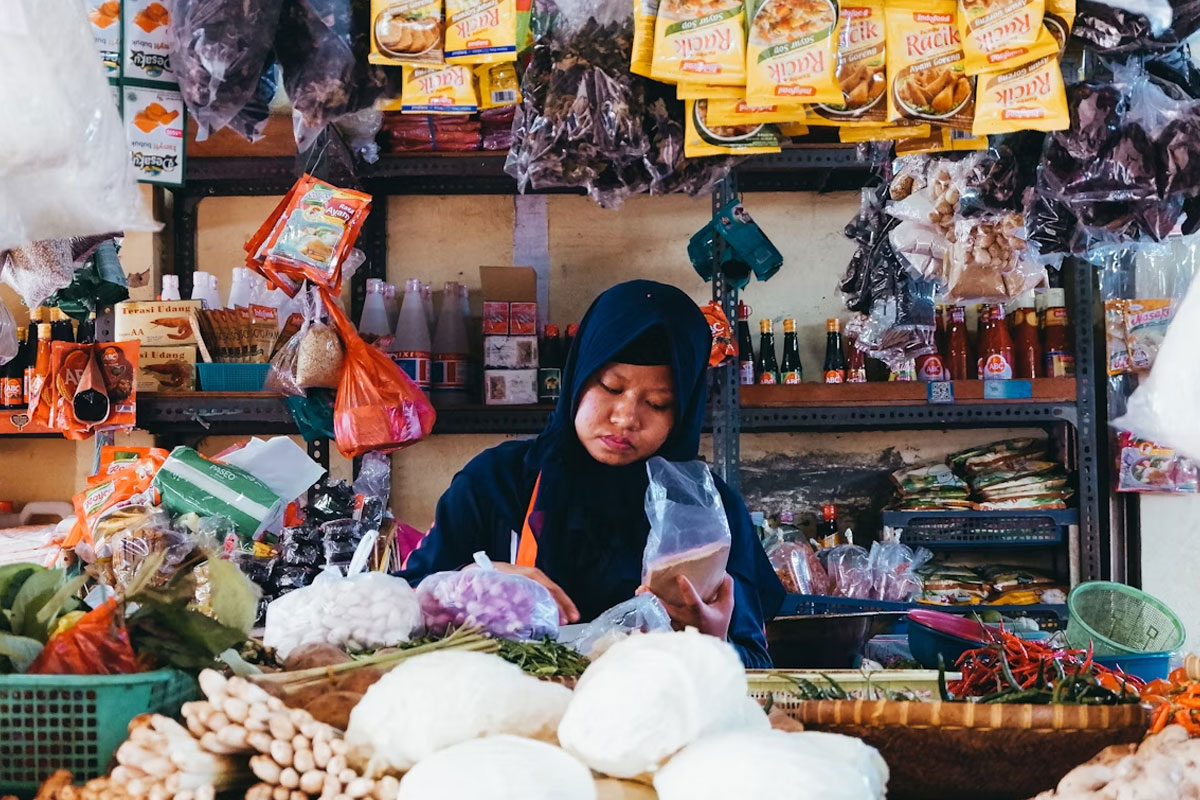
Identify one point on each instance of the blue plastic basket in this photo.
(965, 529)
(1147, 666)
(232, 377)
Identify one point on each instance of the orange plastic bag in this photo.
(96, 645)
(378, 407)
(724, 346)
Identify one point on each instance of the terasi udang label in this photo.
(925, 63)
(1003, 34)
(861, 65)
(792, 52)
(700, 41)
(1032, 97)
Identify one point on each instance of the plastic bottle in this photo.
(450, 350)
(170, 288)
(465, 298)
(374, 319)
(204, 289)
(241, 291)
(427, 304)
(411, 347)
(391, 305)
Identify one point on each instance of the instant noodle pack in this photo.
(942, 73)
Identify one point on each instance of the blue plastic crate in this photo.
(965, 529)
(232, 377)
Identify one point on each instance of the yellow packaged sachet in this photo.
(449, 89)
(645, 13)
(700, 41)
(1031, 97)
(861, 65)
(882, 133)
(406, 32)
(498, 85)
(481, 31)
(1059, 19)
(740, 112)
(925, 68)
(791, 52)
(1003, 34)
(791, 129)
(703, 139)
(705, 91)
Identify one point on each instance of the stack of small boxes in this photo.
(510, 342)
(167, 331)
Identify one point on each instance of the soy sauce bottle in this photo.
(768, 367)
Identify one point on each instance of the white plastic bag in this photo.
(1163, 408)
(69, 172)
(502, 604)
(689, 532)
(641, 614)
(8, 335)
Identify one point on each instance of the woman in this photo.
(567, 509)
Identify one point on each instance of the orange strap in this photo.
(527, 548)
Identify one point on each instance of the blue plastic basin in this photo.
(1147, 666)
(926, 644)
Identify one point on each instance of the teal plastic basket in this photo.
(232, 377)
(1120, 620)
(76, 722)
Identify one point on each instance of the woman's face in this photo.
(626, 413)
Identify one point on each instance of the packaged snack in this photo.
(882, 133)
(861, 65)
(114, 459)
(190, 482)
(1146, 323)
(1148, 467)
(1032, 97)
(481, 31)
(1059, 19)
(700, 40)
(443, 89)
(1115, 343)
(645, 15)
(701, 139)
(736, 113)
(1002, 578)
(406, 32)
(947, 584)
(790, 129)
(1003, 35)
(707, 91)
(791, 51)
(724, 347)
(128, 486)
(499, 85)
(925, 64)
(919, 479)
(505, 605)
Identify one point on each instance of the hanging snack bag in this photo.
(1146, 323)
(925, 64)
(789, 129)
(1114, 337)
(481, 31)
(736, 113)
(883, 133)
(437, 90)
(645, 15)
(861, 65)
(1032, 97)
(499, 85)
(1003, 35)
(706, 91)
(702, 139)
(700, 41)
(406, 32)
(1059, 19)
(791, 52)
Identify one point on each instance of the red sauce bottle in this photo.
(958, 348)
(983, 331)
(998, 364)
(1027, 350)
(1059, 357)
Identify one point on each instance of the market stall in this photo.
(235, 588)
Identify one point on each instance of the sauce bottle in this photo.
(768, 367)
(12, 375)
(1027, 350)
(791, 371)
(1059, 360)
(746, 370)
(983, 331)
(958, 349)
(998, 364)
(931, 367)
(61, 329)
(856, 365)
(835, 358)
(40, 371)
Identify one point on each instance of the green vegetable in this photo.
(545, 659)
(32, 598)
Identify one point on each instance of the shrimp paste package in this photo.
(689, 532)
(861, 66)
(481, 31)
(926, 65)
(1003, 34)
(700, 41)
(406, 32)
(791, 53)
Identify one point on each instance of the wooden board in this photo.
(1045, 390)
(277, 141)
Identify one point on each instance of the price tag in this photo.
(1007, 390)
(940, 392)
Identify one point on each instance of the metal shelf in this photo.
(912, 417)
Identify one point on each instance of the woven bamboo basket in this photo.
(951, 751)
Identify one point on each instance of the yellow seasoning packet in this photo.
(740, 112)
(702, 139)
(791, 52)
(963, 140)
(1003, 34)
(498, 85)
(1059, 19)
(406, 32)
(1032, 97)
(705, 91)
(481, 31)
(701, 41)
(645, 14)
(449, 89)
(861, 65)
(790, 129)
(882, 133)
(925, 64)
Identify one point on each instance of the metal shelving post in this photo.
(726, 400)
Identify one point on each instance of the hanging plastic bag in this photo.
(312, 358)
(8, 336)
(894, 571)
(798, 568)
(849, 569)
(501, 604)
(689, 531)
(641, 614)
(218, 52)
(98, 644)
(378, 407)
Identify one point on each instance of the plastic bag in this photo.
(798, 568)
(849, 570)
(98, 644)
(378, 407)
(1145, 467)
(894, 571)
(65, 155)
(219, 49)
(8, 336)
(1130, 27)
(312, 358)
(641, 614)
(501, 604)
(689, 531)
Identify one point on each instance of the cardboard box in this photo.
(523, 319)
(510, 352)
(509, 301)
(495, 318)
(166, 369)
(509, 387)
(158, 323)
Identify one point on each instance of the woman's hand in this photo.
(710, 617)
(567, 612)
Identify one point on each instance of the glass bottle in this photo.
(450, 350)
(768, 367)
(791, 371)
(958, 348)
(835, 358)
(550, 365)
(12, 375)
(86, 332)
(998, 363)
(746, 370)
(1059, 358)
(1027, 349)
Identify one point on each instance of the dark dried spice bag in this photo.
(1049, 224)
(1119, 33)
(1179, 150)
(1097, 111)
(251, 122)
(219, 49)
